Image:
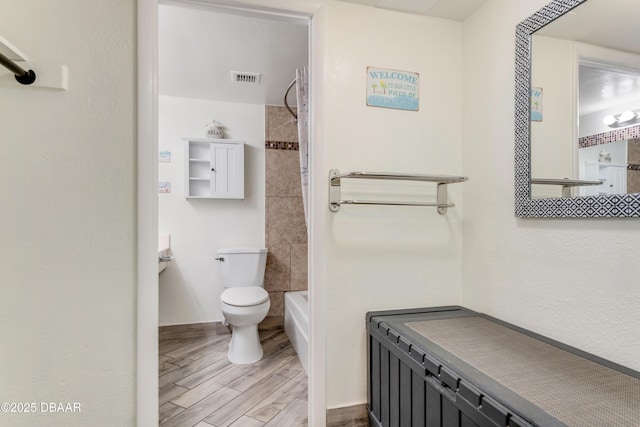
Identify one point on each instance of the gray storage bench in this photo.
(450, 366)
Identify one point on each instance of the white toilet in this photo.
(244, 302)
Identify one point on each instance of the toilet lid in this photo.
(244, 296)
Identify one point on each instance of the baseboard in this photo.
(271, 323)
(349, 416)
(191, 330)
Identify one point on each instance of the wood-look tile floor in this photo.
(200, 387)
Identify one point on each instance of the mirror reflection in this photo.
(585, 102)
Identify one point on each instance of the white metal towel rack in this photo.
(442, 203)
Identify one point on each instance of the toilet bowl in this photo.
(243, 311)
(244, 303)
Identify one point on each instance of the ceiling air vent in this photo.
(243, 77)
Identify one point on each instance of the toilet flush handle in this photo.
(220, 259)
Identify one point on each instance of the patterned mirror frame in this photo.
(622, 205)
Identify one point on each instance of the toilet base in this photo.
(245, 345)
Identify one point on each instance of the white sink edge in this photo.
(164, 244)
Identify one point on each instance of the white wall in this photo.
(382, 257)
(571, 280)
(190, 286)
(67, 312)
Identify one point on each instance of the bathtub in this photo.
(296, 324)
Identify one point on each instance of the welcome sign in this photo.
(536, 104)
(393, 89)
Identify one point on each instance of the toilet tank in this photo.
(242, 266)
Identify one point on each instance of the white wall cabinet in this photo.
(214, 169)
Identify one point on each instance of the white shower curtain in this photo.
(302, 89)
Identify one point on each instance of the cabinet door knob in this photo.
(213, 170)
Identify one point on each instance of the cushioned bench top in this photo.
(573, 389)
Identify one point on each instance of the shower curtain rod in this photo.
(286, 104)
(22, 76)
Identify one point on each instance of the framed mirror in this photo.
(577, 110)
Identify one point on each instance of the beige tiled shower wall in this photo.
(633, 158)
(286, 232)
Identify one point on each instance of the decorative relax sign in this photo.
(393, 89)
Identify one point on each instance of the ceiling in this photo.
(601, 89)
(607, 23)
(458, 10)
(199, 46)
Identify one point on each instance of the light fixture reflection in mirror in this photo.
(560, 154)
(625, 118)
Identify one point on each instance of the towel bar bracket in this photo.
(334, 190)
(335, 180)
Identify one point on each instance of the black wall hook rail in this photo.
(22, 76)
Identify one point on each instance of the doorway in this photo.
(147, 205)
